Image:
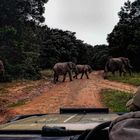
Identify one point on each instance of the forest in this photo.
(27, 46)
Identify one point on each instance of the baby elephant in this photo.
(63, 69)
(84, 69)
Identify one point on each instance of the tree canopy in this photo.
(19, 36)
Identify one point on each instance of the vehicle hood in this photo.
(69, 121)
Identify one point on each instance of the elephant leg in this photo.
(57, 77)
(113, 72)
(124, 73)
(64, 77)
(54, 77)
(70, 75)
(123, 70)
(86, 75)
(3, 71)
(82, 75)
(105, 75)
(75, 76)
(130, 72)
(120, 72)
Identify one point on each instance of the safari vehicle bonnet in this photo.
(69, 124)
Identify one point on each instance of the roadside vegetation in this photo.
(47, 73)
(18, 103)
(115, 100)
(18, 92)
(134, 79)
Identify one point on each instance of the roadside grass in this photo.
(134, 79)
(47, 73)
(115, 100)
(3, 88)
(18, 103)
(3, 91)
(6, 100)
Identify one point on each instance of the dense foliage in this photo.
(61, 46)
(124, 40)
(99, 56)
(19, 37)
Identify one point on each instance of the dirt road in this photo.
(78, 93)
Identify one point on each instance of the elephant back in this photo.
(116, 62)
(60, 68)
(63, 67)
(80, 68)
(71, 65)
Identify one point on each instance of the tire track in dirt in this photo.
(78, 93)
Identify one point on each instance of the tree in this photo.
(62, 46)
(124, 40)
(99, 57)
(20, 40)
(14, 11)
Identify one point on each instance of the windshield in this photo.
(67, 54)
(69, 121)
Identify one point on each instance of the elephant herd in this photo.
(69, 67)
(120, 64)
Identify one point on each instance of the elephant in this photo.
(63, 68)
(2, 70)
(114, 64)
(84, 69)
(127, 64)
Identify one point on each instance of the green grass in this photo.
(3, 88)
(47, 73)
(115, 100)
(3, 91)
(134, 79)
(18, 103)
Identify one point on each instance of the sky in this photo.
(92, 20)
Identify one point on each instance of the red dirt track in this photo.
(78, 93)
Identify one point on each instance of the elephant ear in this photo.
(89, 68)
(71, 65)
